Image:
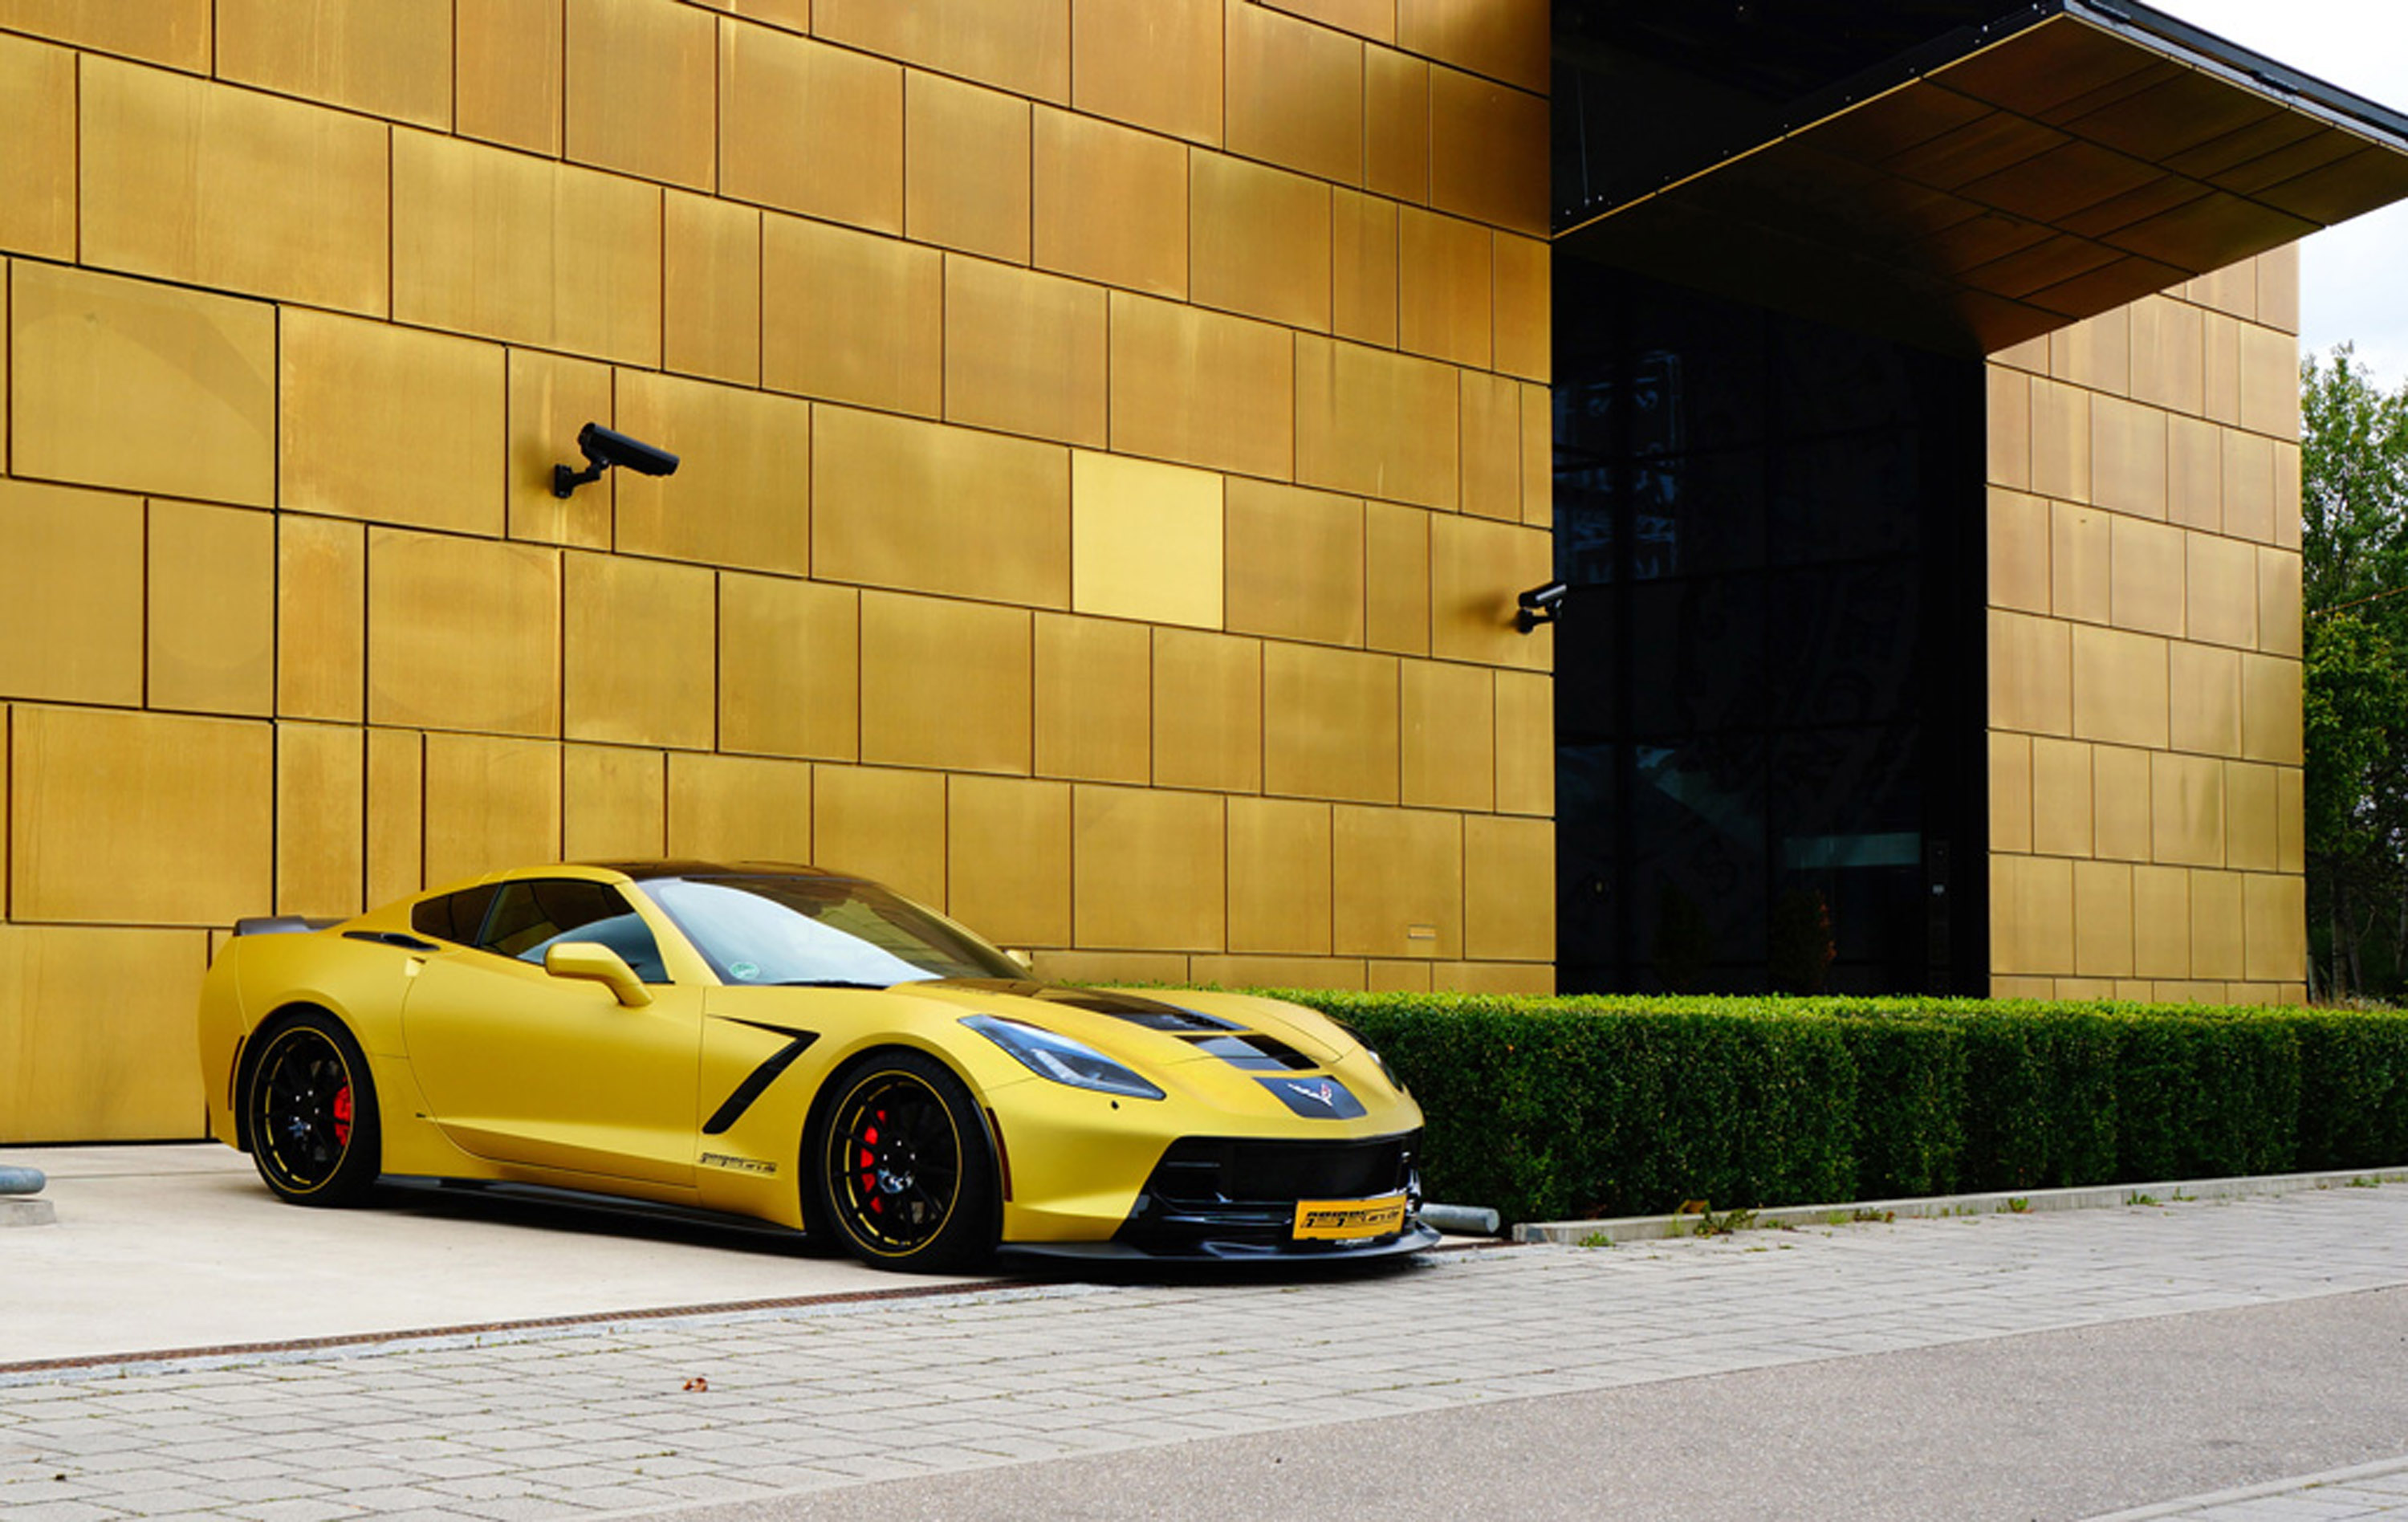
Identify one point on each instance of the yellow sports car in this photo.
(800, 1048)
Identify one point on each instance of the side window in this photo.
(455, 917)
(531, 916)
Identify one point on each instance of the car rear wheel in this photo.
(904, 1175)
(312, 1112)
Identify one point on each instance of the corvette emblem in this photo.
(1315, 1098)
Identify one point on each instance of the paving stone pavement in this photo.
(532, 1424)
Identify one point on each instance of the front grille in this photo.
(1228, 1189)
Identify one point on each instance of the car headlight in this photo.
(1060, 1058)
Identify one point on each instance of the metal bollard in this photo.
(1461, 1220)
(20, 1181)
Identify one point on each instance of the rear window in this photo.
(456, 917)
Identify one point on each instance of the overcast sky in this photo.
(2354, 278)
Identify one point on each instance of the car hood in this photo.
(1172, 1027)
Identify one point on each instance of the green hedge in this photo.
(1549, 1109)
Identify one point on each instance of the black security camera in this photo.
(604, 448)
(1540, 605)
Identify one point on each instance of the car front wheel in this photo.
(312, 1112)
(902, 1167)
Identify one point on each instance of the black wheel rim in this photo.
(305, 1110)
(894, 1163)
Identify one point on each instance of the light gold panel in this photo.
(2251, 833)
(2009, 428)
(1153, 63)
(2217, 921)
(1448, 722)
(811, 128)
(1535, 978)
(177, 33)
(2031, 673)
(2122, 820)
(1398, 876)
(1526, 743)
(126, 383)
(2060, 791)
(211, 632)
(1294, 563)
(2249, 486)
(2102, 919)
(98, 1025)
(1385, 976)
(320, 789)
(2160, 922)
(1445, 281)
(2204, 695)
(2270, 389)
(2079, 586)
(711, 288)
(2031, 915)
(503, 246)
(120, 818)
(945, 684)
(491, 803)
(1207, 389)
(636, 653)
(1374, 20)
(2221, 391)
(2275, 928)
(2278, 288)
(2119, 687)
(848, 317)
(614, 803)
(2269, 708)
(2167, 361)
(1149, 869)
(1330, 723)
(2128, 457)
(967, 167)
(2019, 531)
(2221, 603)
(2011, 792)
(1207, 711)
(1095, 679)
(643, 78)
(2186, 802)
(789, 668)
(1509, 888)
(1022, 46)
(889, 495)
(219, 187)
(1258, 240)
(395, 847)
(510, 71)
(1491, 446)
(1504, 39)
(1477, 568)
(1108, 204)
(384, 57)
(1008, 859)
(71, 595)
(1397, 125)
(1111, 967)
(2288, 520)
(551, 399)
(2194, 474)
(2060, 442)
(2145, 576)
(1374, 424)
(1295, 94)
(2290, 823)
(1522, 268)
(2095, 355)
(1226, 971)
(2230, 289)
(393, 424)
(463, 634)
(742, 495)
(1024, 352)
(738, 808)
(1488, 152)
(38, 175)
(1145, 541)
(1396, 578)
(2278, 602)
(321, 598)
(1363, 266)
(1279, 876)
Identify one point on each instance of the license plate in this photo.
(1335, 1220)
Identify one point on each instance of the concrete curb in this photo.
(2093, 1196)
(2192, 1505)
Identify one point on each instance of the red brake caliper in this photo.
(343, 1116)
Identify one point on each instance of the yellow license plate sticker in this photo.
(1337, 1220)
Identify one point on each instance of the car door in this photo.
(521, 1067)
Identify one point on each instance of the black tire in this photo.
(900, 1162)
(311, 1108)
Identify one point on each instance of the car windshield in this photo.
(776, 928)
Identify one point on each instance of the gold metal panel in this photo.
(510, 68)
(1525, 336)
(1526, 743)
(2019, 550)
(321, 618)
(463, 634)
(503, 246)
(2186, 804)
(1488, 152)
(396, 815)
(1505, 40)
(1145, 541)
(2061, 798)
(1109, 204)
(1445, 285)
(1362, 258)
(925, 507)
(1008, 859)
(393, 424)
(2270, 382)
(2168, 367)
(2060, 433)
(2252, 806)
(384, 57)
(321, 800)
(2147, 576)
(2010, 427)
(1258, 240)
(1511, 978)
(1207, 711)
(2278, 288)
(741, 808)
(211, 633)
(1149, 869)
(2079, 582)
(2221, 601)
(115, 1066)
(1208, 389)
(1223, 972)
(789, 666)
(2249, 486)
(1024, 352)
(2288, 523)
(2204, 682)
(71, 595)
(490, 804)
(1022, 46)
(124, 818)
(1110, 967)
(2102, 919)
(2194, 473)
(2095, 354)
(1509, 888)
(1448, 722)
(2160, 922)
(1153, 63)
(711, 288)
(551, 398)
(1294, 563)
(127, 383)
(967, 167)
(614, 803)
(637, 652)
(2290, 823)
(1491, 410)
(642, 76)
(219, 187)
(1279, 876)
(2221, 350)
(811, 128)
(2031, 915)
(1295, 94)
(176, 33)
(742, 493)
(2038, 988)
(1095, 678)
(1330, 723)
(2120, 686)
(1397, 125)
(850, 317)
(2011, 792)
(2217, 917)
(1374, 20)
(1476, 571)
(1374, 424)
(2031, 673)
(2122, 818)
(1400, 883)
(945, 684)
(2231, 289)
(1538, 456)
(38, 175)
(2275, 928)
(2128, 457)
(2269, 708)
(1396, 977)
(1396, 578)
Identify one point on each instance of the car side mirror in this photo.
(597, 963)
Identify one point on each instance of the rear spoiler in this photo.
(280, 924)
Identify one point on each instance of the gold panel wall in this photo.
(1112, 434)
(2145, 649)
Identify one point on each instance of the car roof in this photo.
(646, 872)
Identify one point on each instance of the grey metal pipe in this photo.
(1461, 1220)
(20, 1181)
